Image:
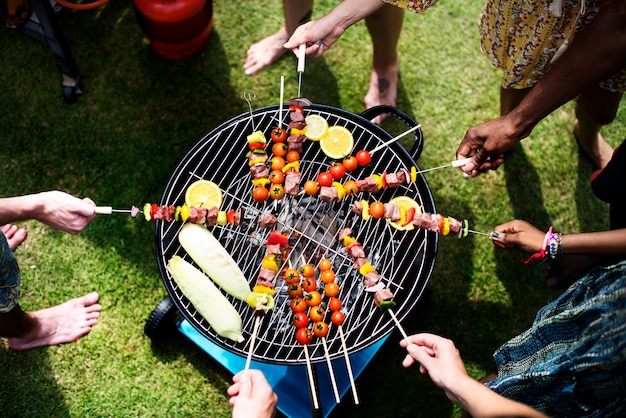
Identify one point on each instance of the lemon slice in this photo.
(405, 204)
(203, 194)
(316, 127)
(337, 143)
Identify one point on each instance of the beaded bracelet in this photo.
(552, 248)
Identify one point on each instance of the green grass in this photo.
(140, 114)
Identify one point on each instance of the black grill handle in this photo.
(418, 142)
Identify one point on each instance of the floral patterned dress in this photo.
(523, 37)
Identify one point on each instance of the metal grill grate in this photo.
(404, 259)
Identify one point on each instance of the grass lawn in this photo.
(140, 114)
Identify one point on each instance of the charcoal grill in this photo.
(404, 259)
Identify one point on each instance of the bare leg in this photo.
(60, 324)
(384, 26)
(14, 235)
(595, 108)
(268, 50)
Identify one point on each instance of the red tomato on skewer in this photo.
(337, 170)
(304, 336)
(317, 313)
(337, 318)
(300, 320)
(350, 163)
(298, 305)
(334, 304)
(320, 329)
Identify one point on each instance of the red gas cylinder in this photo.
(176, 29)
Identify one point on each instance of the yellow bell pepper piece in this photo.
(341, 192)
(262, 182)
(365, 212)
(295, 165)
(184, 213)
(347, 240)
(366, 268)
(446, 226)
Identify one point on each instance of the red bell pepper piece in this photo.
(277, 238)
(410, 214)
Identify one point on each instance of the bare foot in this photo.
(61, 324)
(383, 88)
(594, 145)
(15, 236)
(265, 52)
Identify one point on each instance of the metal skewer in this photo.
(381, 146)
(108, 210)
(399, 326)
(311, 380)
(331, 371)
(493, 234)
(457, 163)
(257, 321)
(348, 365)
(282, 94)
(301, 55)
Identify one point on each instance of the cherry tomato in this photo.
(309, 284)
(277, 191)
(317, 313)
(334, 304)
(377, 210)
(331, 289)
(363, 157)
(337, 318)
(307, 270)
(277, 177)
(300, 320)
(292, 276)
(278, 135)
(324, 179)
(313, 298)
(350, 163)
(292, 156)
(320, 329)
(279, 149)
(327, 276)
(294, 291)
(298, 305)
(304, 336)
(277, 163)
(337, 170)
(260, 194)
(311, 187)
(325, 264)
(351, 188)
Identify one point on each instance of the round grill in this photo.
(404, 259)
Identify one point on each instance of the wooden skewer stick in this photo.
(395, 319)
(282, 95)
(311, 381)
(330, 371)
(348, 365)
(257, 321)
(381, 146)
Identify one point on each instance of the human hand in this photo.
(519, 235)
(317, 35)
(487, 143)
(65, 212)
(251, 395)
(439, 358)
